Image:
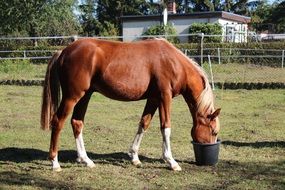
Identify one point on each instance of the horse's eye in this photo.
(214, 133)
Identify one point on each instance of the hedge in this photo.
(206, 28)
(226, 85)
(162, 30)
(240, 53)
(251, 45)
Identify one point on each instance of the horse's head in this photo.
(206, 128)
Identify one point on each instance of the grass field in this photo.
(23, 70)
(233, 72)
(251, 155)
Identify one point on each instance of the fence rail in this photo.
(24, 54)
(215, 53)
(249, 35)
(224, 65)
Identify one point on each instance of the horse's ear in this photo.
(215, 114)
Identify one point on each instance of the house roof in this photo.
(215, 14)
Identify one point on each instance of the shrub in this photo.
(108, 29)
(238, 50)
(206, 28)
(163, 30)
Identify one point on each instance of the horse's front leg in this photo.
(134, 149)
(164, 115)
(77, 123)
(82, 157)
(149, 110)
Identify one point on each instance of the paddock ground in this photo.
(251, 155)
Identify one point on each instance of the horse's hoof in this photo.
(57, 169)
(136, 163)
(90, 165)
(176, 168)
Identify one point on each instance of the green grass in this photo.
(233, 72)
(251, 155)
(23, 70)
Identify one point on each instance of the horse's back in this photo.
(124, 71)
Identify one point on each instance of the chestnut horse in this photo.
(154, 70)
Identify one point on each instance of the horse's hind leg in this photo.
(57, 123)
(77, 123)
(149, 110)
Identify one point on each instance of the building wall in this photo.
(235, 32)
(132, 30)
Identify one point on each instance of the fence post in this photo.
(282, 64)
(25, 54)
(74, 38)
(219, 56)
(229, 59)
(201, 49)
(211, 71)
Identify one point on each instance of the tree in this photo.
(205, 5)
(89, 23)
(183, 6)
(278, 17)
(269, 17)
(103, 17)
(112, 10)
(38, 17)
(236, 6)
(260, 16)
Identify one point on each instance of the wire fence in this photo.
(26, 54)
(230, 64)
(238, 65)
(268, 57)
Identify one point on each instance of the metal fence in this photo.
(26, 54)
(270, 57)
(246, 66)
(222, 64)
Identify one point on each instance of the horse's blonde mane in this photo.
(205, 101)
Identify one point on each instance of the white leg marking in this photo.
(81, 152)
(134, 149)
(55, 165)
(166, 154)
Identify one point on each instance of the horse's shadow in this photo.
(25, 155)
(259, 144)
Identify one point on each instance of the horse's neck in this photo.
(191, 98)
(199, 95)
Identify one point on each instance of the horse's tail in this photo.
(51, 92)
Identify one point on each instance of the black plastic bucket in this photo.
(206, 154)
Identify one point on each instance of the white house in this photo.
(235, 27)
